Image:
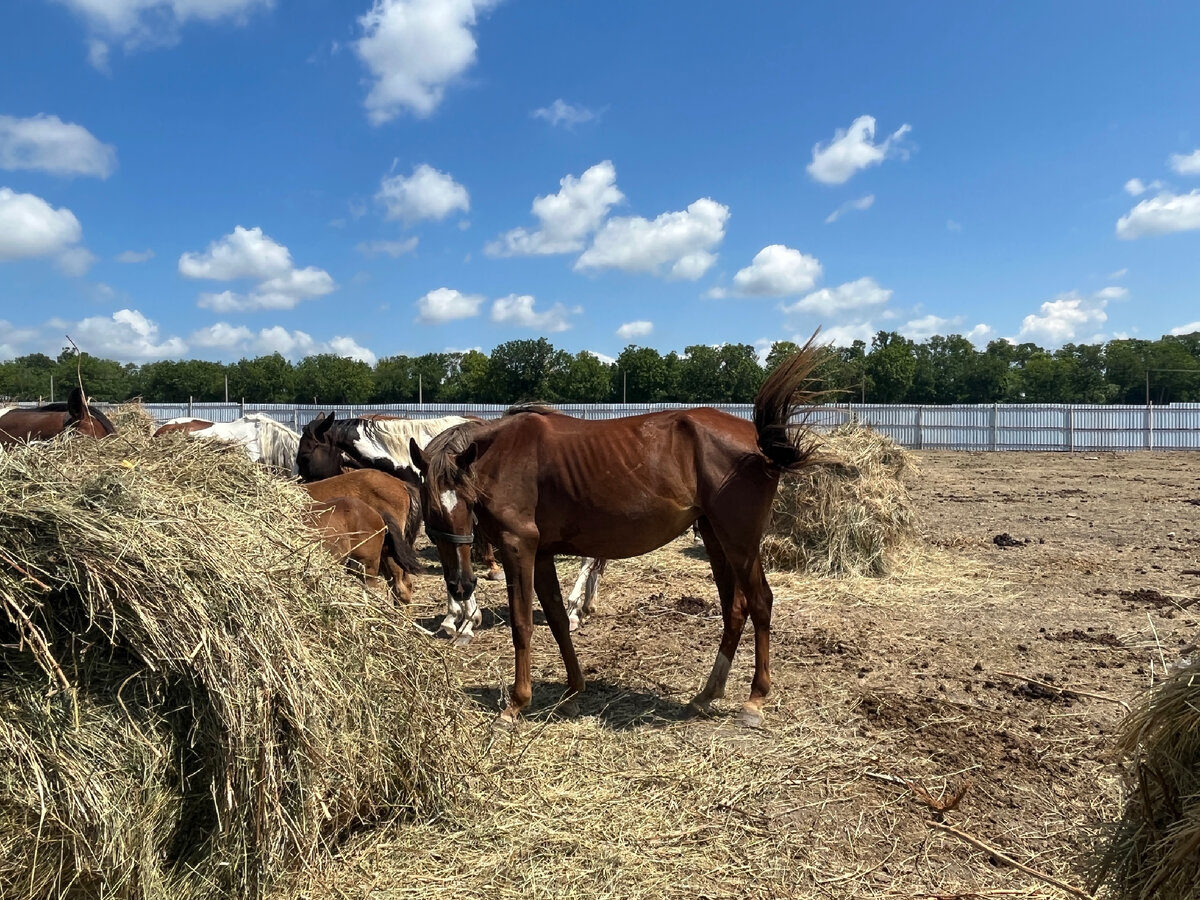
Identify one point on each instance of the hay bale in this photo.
(194, 696)
(132, 418)
(846, 514)
(1154, 850)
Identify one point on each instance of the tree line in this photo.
(893, 369)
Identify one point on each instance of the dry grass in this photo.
(132, 419)
(193, 695)
(1154, 850)
(849, 513)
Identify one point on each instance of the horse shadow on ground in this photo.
(615, 706)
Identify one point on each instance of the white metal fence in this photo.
(1033, 426)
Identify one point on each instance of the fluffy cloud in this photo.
(247, 253)
(14, 341)
(1064, 318)
(1162, 214)
(48, 144)
(1190, 328)
(517, 309)
(426, 194)
(562, 113)
(637, 329)
(843, 335)
(850, 206)
(153, 23)
(126, 335)
(413, 49)
(864, 293)
(567, 218)
(1186, 163)
(852, 150)
(30, 227)
(681, 242)
(1112, 292)
(135, 256)
(775, 271)
(393, 249)
(927, 326)
(446, 305)
(237, 339)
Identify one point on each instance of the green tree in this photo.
(582, 378)
(394, 380)
(467, 378)
(890, 367)
(175, 381)
(328, 378)
(641, 375)
(264, 379)
(522, 370)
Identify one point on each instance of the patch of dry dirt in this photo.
(964, 664)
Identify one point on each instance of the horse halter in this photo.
(449, 537)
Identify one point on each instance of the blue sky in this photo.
(225, 178)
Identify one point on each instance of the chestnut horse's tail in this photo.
(398, 546)
(786, 390)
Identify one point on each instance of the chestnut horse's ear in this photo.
(417, 456)
(77, 405)
(464, 459)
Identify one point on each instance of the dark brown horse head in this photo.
(446, 502)
(316, 457)
(52, 419)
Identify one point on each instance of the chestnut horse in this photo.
(541, 483)
(51, 419)
(398, 504)
(352, 531)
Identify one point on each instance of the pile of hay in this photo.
(194, 697)
(1154, 850)
(848, 513)
(132, 418)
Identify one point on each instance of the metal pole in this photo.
(420, 389)
(51, 388)
(226, 388)
(624, 387)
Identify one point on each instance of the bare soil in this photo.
(1002, 663)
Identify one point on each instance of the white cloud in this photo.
(125, 335)
(637, 329)
(1186, 163)
(1135, 187)
(135, 256)
(843, 335)
(446, 305)
(1065, 317)
(863, 293)
(1162, 214)
(850, 206)
(48, 144)
(1120, 273)
(852, 150)
(151, 23)
(1113, 292)
(413, 50)
(14, 341)
(237, 339)
(1190, 328)
(777, 271)
(388, 248)
(927, 326)
(30, 227)
(562, 113)
(567, 218)
(682, 242)
(426, 194)
(517, 309)
(247, 253)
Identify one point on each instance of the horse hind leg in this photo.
(733, 616)
(549, 593)
(759, 601)
(582, 601)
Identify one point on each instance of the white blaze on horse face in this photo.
(449, 501)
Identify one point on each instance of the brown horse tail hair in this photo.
(785, 391)
(399, 546)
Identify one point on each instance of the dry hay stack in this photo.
(193, 695)
(1154, 850)
(132, 418)
(846, 514)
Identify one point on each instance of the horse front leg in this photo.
(518, 573)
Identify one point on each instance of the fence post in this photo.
(920, 428)
(242, 408)
(995, 426)
(295, 419)
(1071, 428)
(190, 406)
(1149, 427)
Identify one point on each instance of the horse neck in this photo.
(278, 445)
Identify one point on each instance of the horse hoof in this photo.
(750, 717)
(495, 575)
(700, 708)
(573, 623)
(461, 640)
(504, 722)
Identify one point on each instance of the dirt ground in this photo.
(999, 668)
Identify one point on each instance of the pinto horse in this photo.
(541, 483)
(330, 446)
(51, 419)
(265, 440)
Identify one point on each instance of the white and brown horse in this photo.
(264, 439)
(76, 416)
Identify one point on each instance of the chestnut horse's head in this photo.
(447, 498)
(83, 419)
(316, 457)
